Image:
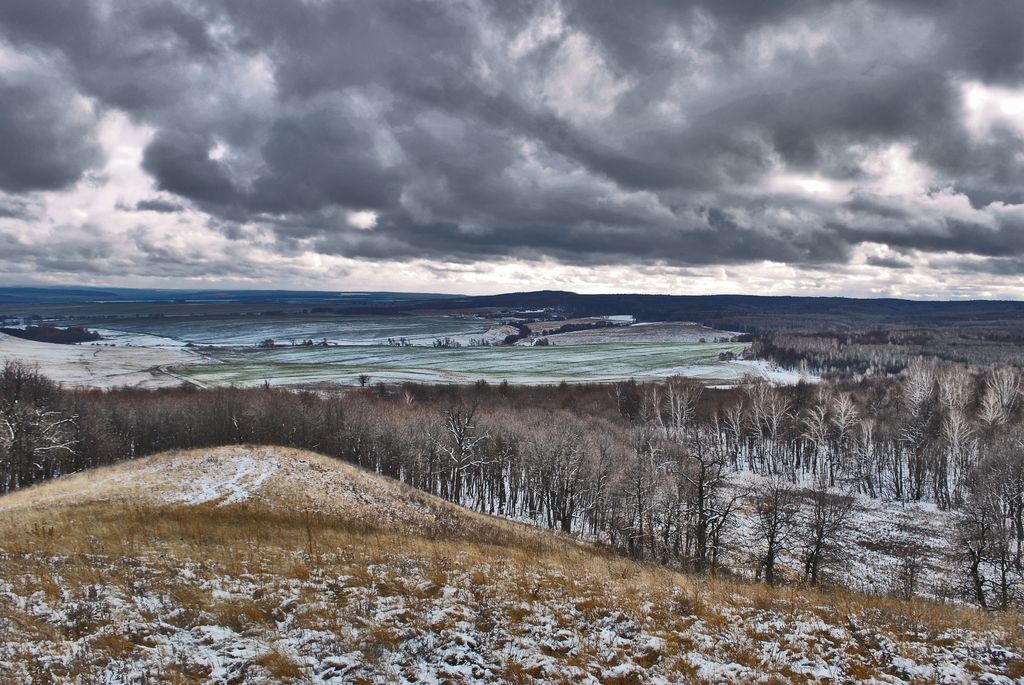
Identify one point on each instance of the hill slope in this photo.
(257, 564)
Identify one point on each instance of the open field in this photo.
(583, 363)
(663, 331)
(101, 367)
(240, 331)
(150, 357)
(256, 564)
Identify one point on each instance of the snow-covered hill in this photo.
(254, 564)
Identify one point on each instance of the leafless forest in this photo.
(656, 471)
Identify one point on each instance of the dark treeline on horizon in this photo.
(741, 313)
(52, 334)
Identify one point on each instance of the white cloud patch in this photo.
(363, 220)
(986, 106)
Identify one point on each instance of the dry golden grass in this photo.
(281, 667)
(53, 541)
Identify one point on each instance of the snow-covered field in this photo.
(604, 362)
(662, 331)
(142, 361)
(154, 353)
(246, 331)
(257, 565)
(99, 367)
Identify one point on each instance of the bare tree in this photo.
(825, 524)
(1005, 384)
(459, 444)
(998, 398)
(641, 480)
(563, 459)
(36, 439)
(958, 444)
(986, 535)
(703, 473)
(33, 444)
(777, 507)
(910, 564)
(866, 477)
(955, 388)
(816, 432)
(681, 398)
(844, 421)
(733, 422)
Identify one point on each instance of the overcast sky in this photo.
(791, 147)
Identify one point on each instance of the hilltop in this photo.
(261, 564)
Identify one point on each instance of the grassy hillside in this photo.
(254, 564)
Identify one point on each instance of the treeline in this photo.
(53, 334)
(650, 469)
(886, 352)
(574, 327)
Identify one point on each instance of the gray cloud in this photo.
(14, 208)
(155, 204)
(577, 131)
(48, 136)
(889, 262)
(994, 266)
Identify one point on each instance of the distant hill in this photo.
(69, 295)
(753, 313)
(250, 564)
(746, 313)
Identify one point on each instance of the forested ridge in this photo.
(650, 469)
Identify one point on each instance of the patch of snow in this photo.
(230, 481)
(773, 372)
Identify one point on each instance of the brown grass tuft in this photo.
(282, 668)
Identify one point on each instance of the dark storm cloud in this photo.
(582, 131)
(47, 136)
(181, 164)
(944, 235)
(993, 266)
(889, 262)
(157, 205)
(985, 40)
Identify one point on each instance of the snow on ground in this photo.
(662, 331)
(117, 338)
(607, 362)
(406, 618)
(772, 372)
(99, 367)
(881, 539)
(224, 480)
(493, 335)
(398, 596)
(221, 475)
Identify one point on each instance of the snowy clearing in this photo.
(99, 367)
